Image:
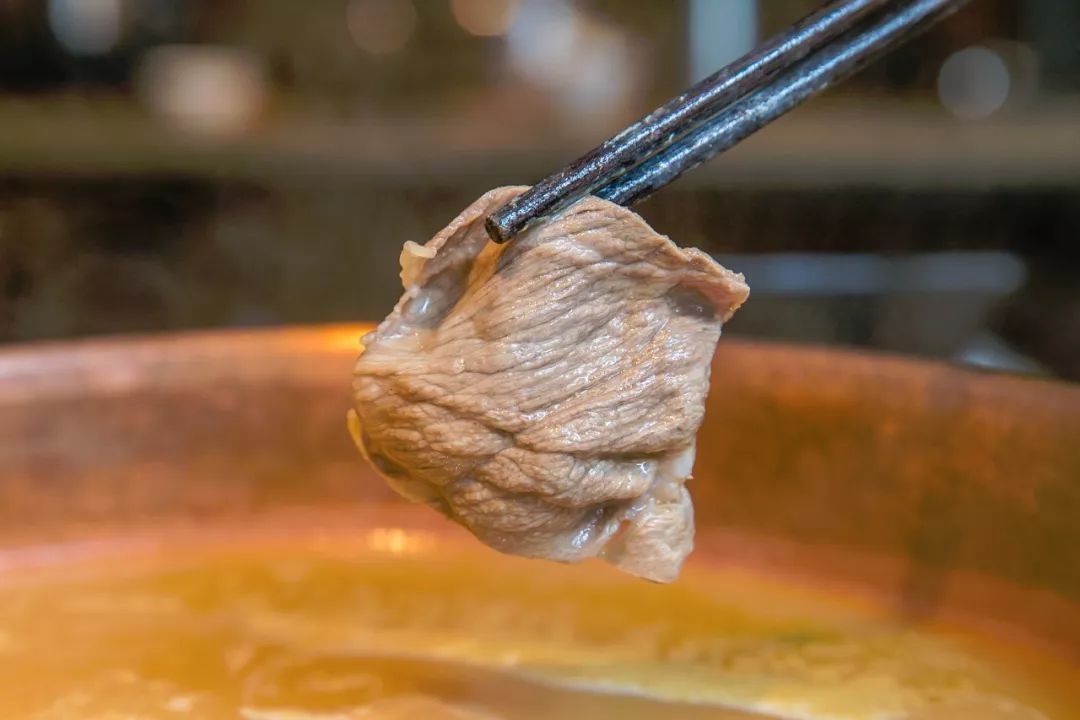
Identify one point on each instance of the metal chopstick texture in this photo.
(744, 117)
(678, 116)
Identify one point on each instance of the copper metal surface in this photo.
(940, 491)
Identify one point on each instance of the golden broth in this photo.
(336, 623)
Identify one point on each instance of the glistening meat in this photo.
(546, 393)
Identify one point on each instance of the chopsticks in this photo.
(726, 107)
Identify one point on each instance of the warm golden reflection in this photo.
(389, 622)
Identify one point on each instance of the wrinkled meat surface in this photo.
(546, 393)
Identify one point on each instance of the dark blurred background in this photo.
(212, 163)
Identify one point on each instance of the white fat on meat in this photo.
(546, 393)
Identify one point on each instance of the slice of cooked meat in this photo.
(545, 393)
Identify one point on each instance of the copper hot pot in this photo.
(942, 492)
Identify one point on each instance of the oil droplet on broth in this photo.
(391, 623)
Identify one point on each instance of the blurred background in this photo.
(169, 164)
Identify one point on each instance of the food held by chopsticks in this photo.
(546, 393)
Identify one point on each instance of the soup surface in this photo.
(324, 620)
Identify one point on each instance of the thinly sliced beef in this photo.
(545, 393)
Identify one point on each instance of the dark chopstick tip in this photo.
(495, 231)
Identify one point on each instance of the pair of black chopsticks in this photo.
(726, 107)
